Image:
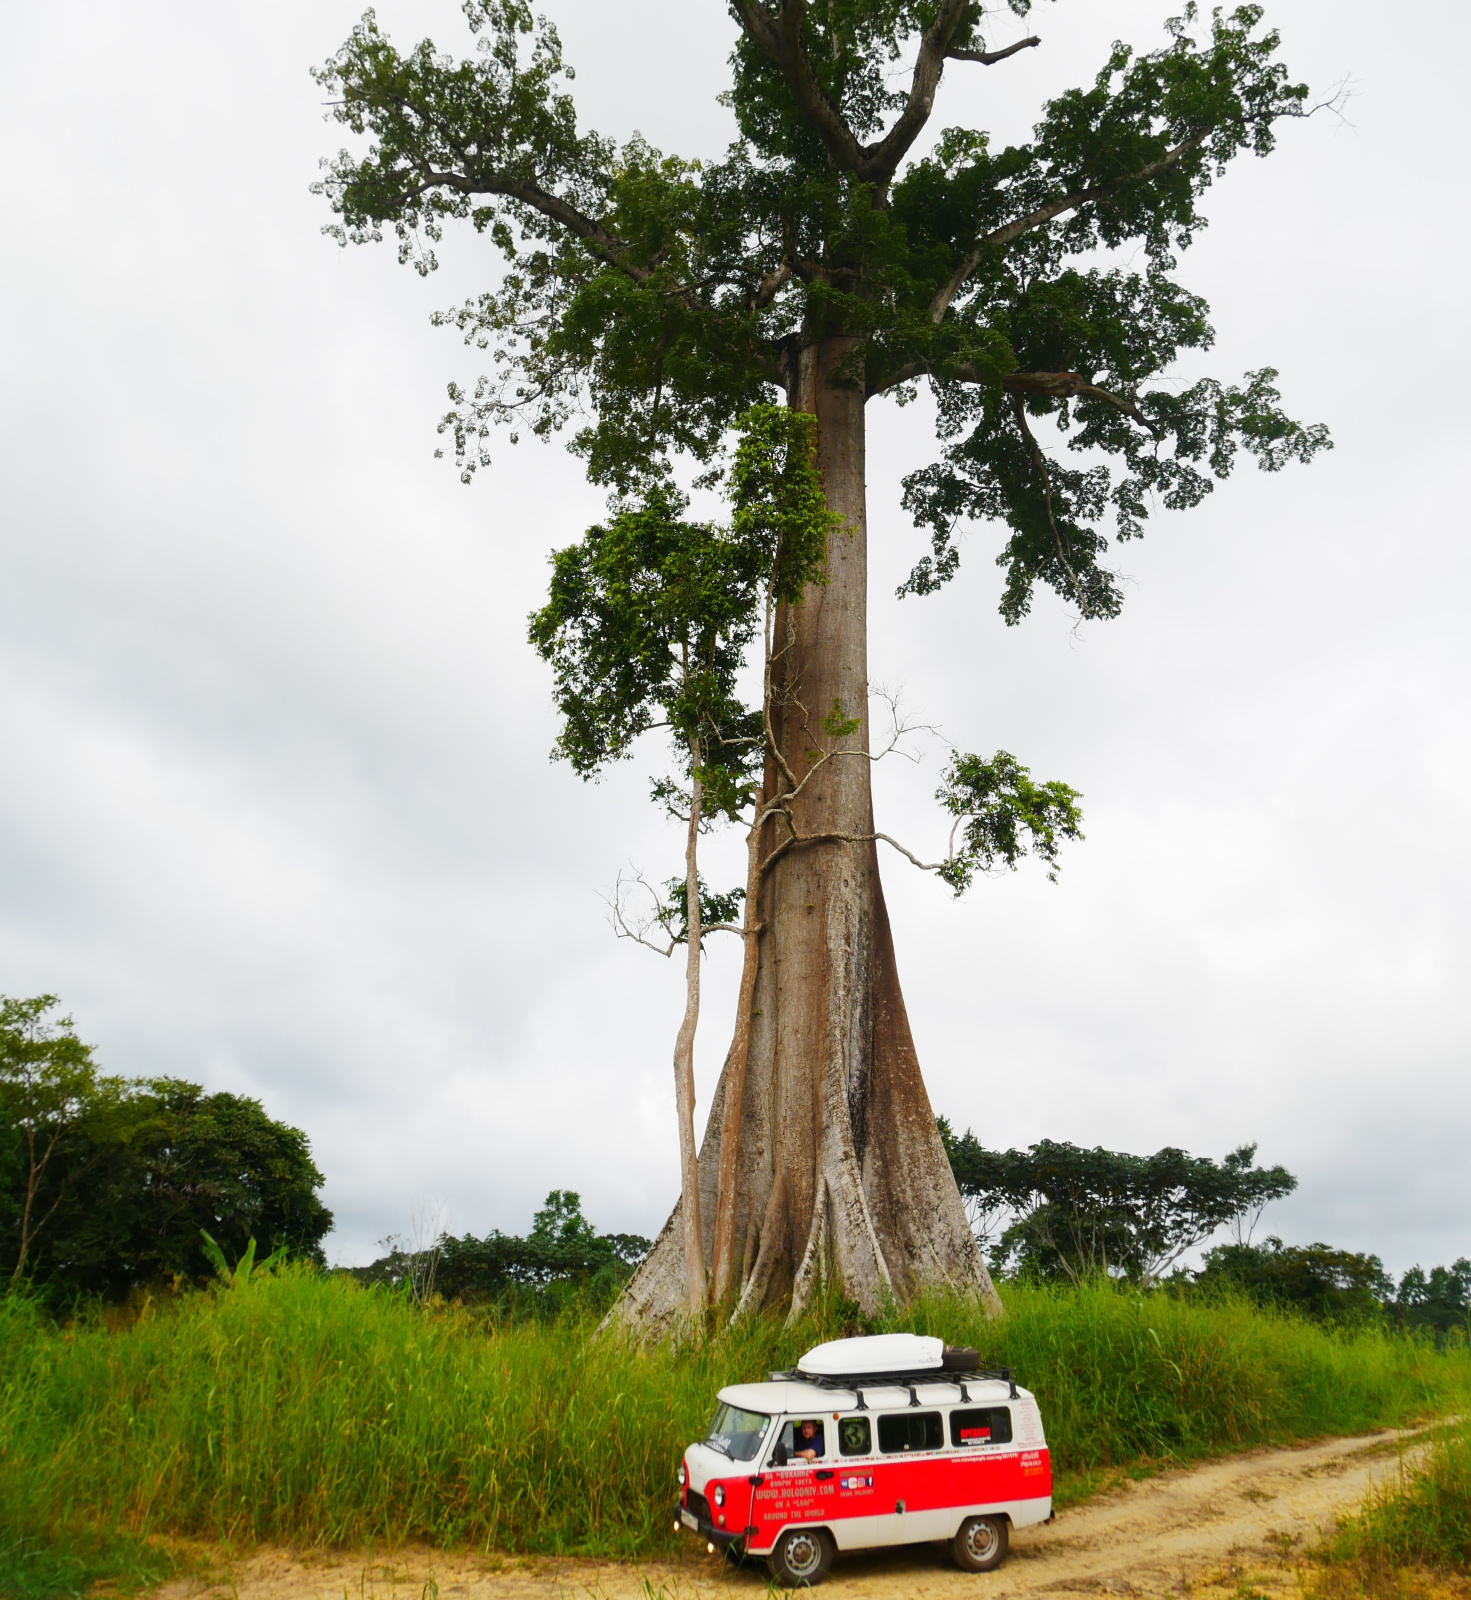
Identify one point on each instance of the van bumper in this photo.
(691, 1522)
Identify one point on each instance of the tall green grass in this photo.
(1421, 1522)
(304, 1408)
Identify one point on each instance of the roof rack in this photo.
(856, 1382)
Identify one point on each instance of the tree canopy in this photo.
(1058, 1211)
(648, 300)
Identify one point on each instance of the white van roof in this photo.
(785, 1396)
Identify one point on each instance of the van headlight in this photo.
(680, 1475)
(719, 1495)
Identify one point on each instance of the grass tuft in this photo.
(1410, 1533)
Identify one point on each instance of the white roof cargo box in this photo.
(880, 1352)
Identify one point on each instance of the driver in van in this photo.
(809, 1443)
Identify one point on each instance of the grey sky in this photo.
(276, 811)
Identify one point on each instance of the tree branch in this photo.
(770, 286)
(779, 38)
(845, 838)
(612, 249)
(1056, 385)
(1054, 208)
(881, 161)
(989, 58)
(1039, 461)
(1066, 385)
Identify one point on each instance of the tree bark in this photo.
(840, 1174)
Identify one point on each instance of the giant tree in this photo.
(840, 250)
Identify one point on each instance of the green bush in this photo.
(307, 1409)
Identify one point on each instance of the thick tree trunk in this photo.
(840, 1174)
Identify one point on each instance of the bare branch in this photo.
(989, 58)
(639, 928)
(847, 838)
(770, 286)
(881, 161)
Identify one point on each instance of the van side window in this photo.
(797, 1441)
(854, 1438)
(991, 1426)
(910, 1430)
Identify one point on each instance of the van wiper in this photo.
(715, 1444)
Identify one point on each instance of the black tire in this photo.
(980, 1546)
(801, 1557)
(735, 1554)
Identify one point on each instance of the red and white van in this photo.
(893, 1439)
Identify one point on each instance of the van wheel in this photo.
(801, 1557)
(980, 1546)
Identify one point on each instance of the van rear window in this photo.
(910, 1430)
(990, 1426)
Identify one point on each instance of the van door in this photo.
(911, 1479)
(797, 1491)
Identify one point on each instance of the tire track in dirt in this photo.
(1224, 1528)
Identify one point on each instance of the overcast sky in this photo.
(276, 811)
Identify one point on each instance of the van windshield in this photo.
(738, 1433)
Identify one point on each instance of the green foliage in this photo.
(247, 1267)
(1074, 1213)
(1420, 1520)
(659, 297)
(650, 617)
(1336, 1285)
(127, 1175)
(313, 1411)
(715, 908)
(61, 1564)
(1001, 815)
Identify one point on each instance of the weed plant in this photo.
(304, 1408)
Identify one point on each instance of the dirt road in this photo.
(1234, 1527)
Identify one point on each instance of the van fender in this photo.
(768, 1545)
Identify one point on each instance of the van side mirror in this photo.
(779, 1455)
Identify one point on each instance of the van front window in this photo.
(738, 1433)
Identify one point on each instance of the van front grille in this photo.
(696, 1502)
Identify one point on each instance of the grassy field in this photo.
(304, 1408)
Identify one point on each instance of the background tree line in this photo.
(562, 1259)
(1058, 1213)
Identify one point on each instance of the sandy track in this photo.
(1234, 1527)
